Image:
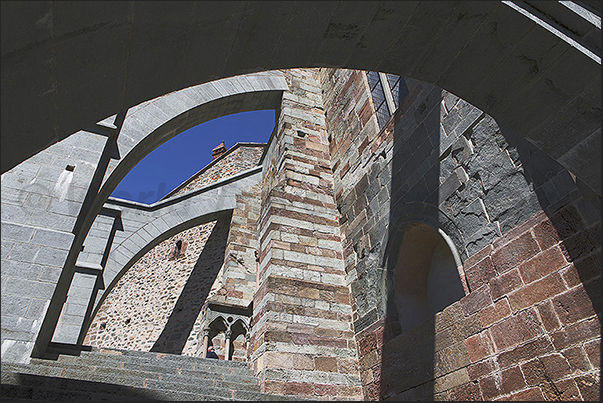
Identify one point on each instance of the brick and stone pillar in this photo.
(302, 338)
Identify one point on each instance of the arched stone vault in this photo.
(535, 68)
(90, 176)
(143, 227)
(518, 64)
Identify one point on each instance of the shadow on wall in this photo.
(424, 328)
(574, 212)
(174, 336)
(415, 252)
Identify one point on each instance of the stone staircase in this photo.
(107, 374)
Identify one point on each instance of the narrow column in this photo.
(205, 342)
(227, 336)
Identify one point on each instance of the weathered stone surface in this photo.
(316, 245)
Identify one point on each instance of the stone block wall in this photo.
(137, 310)
(236, 283)
(41, 201)
(443, 162)
(302, 341)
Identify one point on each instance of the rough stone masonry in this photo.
(344, 220)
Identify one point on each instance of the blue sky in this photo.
(179, 158)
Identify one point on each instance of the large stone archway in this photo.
(530, 76)
(71, 182)
(535, 68)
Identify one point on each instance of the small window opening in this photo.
(177, 249)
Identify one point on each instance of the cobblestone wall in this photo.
(137, 310)
(239, 158)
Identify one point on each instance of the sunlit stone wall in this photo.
(137, 310)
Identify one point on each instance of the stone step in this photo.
(166, 360)
(112, 374)
(202, 370)
(132, 380)
(20, 392)
(72, 370)
(17, 386)
(25, 375)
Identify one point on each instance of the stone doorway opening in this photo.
(427, 276)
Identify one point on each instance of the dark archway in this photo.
(536, 74)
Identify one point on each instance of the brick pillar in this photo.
(302, 337)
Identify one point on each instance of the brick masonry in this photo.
(527, 235)
(315, 247)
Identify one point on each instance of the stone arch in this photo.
(427, 279)
(468, 48)
(244, 327)
(134, 257)
(425, 282)
(230, 326)
(145, 226)
(151, 123)
(404, 213)
(439, 255)
(215, 329)
(239, 339)
(132, 135)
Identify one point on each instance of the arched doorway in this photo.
(427, 278)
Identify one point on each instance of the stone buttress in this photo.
(302, 338)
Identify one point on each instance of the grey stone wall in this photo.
(63, 190)
(41, 200)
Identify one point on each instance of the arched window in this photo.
(427, 279)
